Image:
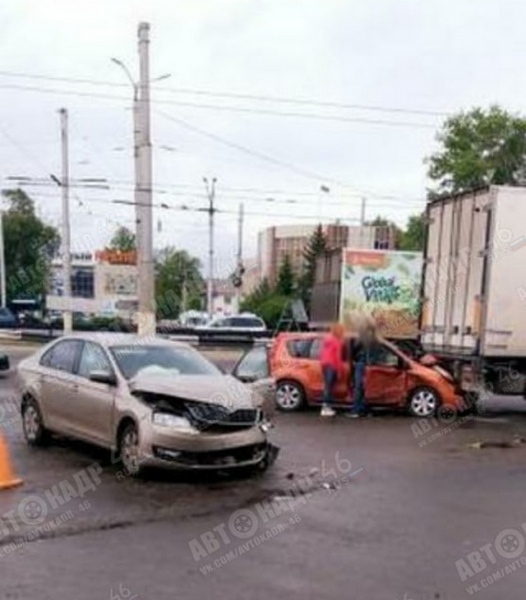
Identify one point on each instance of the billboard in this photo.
(385, 284)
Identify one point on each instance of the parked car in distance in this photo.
(5, 364)
(7, 319)
(392, 378)
(243, 323)
(193, 318)
(152, 401)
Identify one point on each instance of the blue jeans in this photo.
(358, 387)
(329, 379)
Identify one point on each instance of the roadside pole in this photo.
(211, 193)
(146, 292)
(2, 261)
(362, 221)
(66, 241)
(239, 267)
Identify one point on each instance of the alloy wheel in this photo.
(423, 403)
(289, 396)
(130, 454)
(32, 423)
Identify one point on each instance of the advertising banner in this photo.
(386, 285)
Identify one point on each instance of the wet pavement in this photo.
(381, 508)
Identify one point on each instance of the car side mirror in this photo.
(103, 377)
(247, 378)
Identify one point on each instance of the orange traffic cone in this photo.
(7, 477)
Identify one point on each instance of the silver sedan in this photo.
(152, 401)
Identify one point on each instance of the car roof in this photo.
(106, 338)
(307, 335)
(299, 335)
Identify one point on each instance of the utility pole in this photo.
(362, 221)
(143, 189)
(239, 268)
(184, 295)
(66, 241)
(211, 193)
(2, 261)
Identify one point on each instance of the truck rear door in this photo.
(454, 272)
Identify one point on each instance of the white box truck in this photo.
(474, 287)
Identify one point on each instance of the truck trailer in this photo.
(471, 297)
(474, 287)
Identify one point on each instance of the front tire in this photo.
(129, 450)
(290, 396)
(423, 402)
(33, 425)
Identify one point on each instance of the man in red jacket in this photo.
(331, 365)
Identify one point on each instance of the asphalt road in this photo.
(381, 508)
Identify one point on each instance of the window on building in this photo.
(83, 283)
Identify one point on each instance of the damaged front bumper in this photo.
(208, 452)
(259, 455)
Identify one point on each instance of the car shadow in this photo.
(88, 453)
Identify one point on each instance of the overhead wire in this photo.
(159, 189)
(219, 107)
(235, 95)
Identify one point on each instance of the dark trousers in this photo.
(329, 379)
(358, 387)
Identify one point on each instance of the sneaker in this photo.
(327, 411)
(353, 415)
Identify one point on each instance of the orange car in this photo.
(392, 379)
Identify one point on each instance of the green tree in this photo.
(123, 240)
(479, 147)
(178, 282)
(412, 238)
(29, 246)
(285, 283)
(255, 299)
(316, 247)
(272, 309)
(265, 302)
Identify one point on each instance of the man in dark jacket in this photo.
(358, 351)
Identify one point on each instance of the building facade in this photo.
(102, 283)
(251, 277)
(224, 298)
(274, 243)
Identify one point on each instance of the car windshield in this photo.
(161, 359)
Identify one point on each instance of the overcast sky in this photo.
(428, 57)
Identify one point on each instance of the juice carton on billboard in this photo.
(385, 284)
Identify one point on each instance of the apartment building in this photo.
(274, 243)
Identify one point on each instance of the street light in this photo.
(135, 85)
(143, 181)
(323, 190)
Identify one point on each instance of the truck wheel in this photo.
(471, 404)
(423, 402)
(290, 396)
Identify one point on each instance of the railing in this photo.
(201, 338)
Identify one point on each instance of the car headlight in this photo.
(174, 422)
